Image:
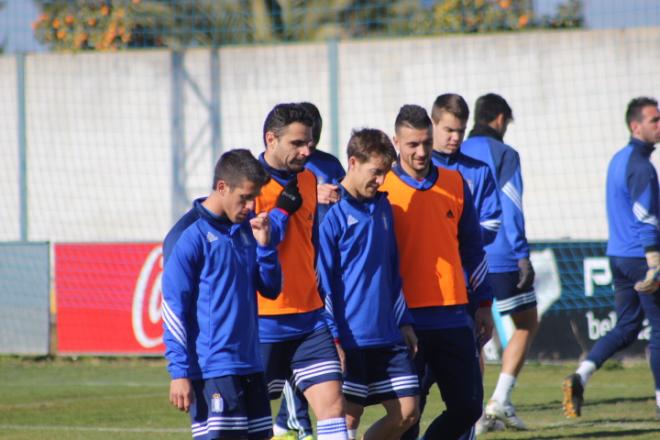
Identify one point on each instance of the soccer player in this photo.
(296, 342)
(294, 410)
(450, 114)
(633, 249)
(439, 242)
(358, 267)
(216, 257)
(511, 275)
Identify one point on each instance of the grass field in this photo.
(127, 399)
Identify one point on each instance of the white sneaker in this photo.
(505, 413)
(484, 425)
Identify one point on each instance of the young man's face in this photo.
(292, 148)
(368, 176)
(414, 147)
(448, 133)
(238, 200)
(648, 128)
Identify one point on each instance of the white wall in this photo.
(99, 124)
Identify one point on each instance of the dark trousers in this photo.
(631, 309)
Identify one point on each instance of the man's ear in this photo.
(270, 139)
(351, 162)
(221, 186)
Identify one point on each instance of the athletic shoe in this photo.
(505, 414)
(573, 396)
(485, 425)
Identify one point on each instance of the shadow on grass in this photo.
(613, 433)
(556, 404)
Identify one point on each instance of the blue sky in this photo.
(17, 17)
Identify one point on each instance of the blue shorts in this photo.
(231, 407)
(305, 361)
(374, 375)
(510, 299)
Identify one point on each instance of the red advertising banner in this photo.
(109, 298)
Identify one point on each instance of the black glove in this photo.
(526, 274)
(290, 199)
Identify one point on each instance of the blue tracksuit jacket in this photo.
(358, 271)
(510, 245)
(482, 185)
(213, 269)
(632, 201)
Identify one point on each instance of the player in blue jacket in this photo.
(294, 409)
(633, 249)
(450, 114)
(358, 269)
(216, 258)
(511, 274)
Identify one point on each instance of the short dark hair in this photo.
(368, 142)
(635, 106)
(490, 106)
(238, 165)
(283, 115)
(413, 116)
(451, 103)
(318, 121)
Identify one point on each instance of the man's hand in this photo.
(651, 281)
(327, 193)
(261, 229)
(181, 393)
(342, 356)
(410, 338)
(290, 199)
(483, 321)
(526, 274)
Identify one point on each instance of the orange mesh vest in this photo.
(296, 252)
(426, 226)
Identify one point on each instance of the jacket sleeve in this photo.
(268, 273)
(487, 201)
(513, 218)
(278, 223)
(327, 259)
(643, 188)
(180, 285)
(472, 252)
(401, 313)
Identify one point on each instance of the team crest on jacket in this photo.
(211, 237)
(216, 403)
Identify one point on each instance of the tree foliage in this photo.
(111, 25)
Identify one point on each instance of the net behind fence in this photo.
(115, 112)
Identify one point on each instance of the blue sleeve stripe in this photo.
(643, 215)
(399, 307)
(174, 324)
(513, 194)
(328, 306)
(491, 225)
(479, 274)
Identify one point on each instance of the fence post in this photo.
(333, 89)
(179, 199)
(22, 146)
(215, 116)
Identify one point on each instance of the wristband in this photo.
(336, 341)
